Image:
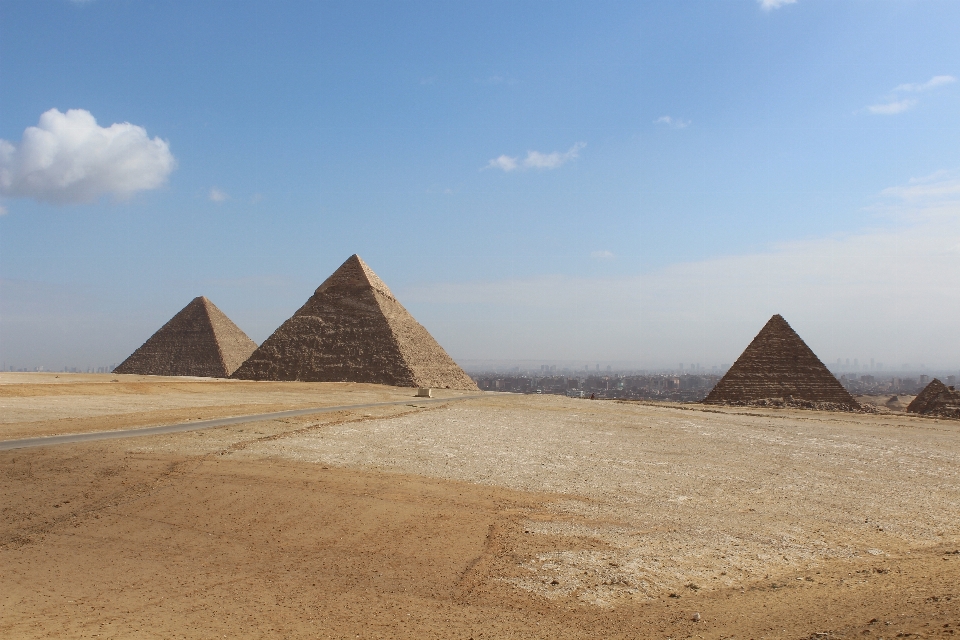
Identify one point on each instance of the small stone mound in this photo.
(199, 341)
(894, 404)
(937, 399)
(778, 369)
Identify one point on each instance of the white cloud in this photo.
(536, 159)
(67, 158)
(939, 187)
(553, 160)
(892, 108)
(887, 293)
(602, 255)
(895, 104)
(767, 5)
(676, 123)
(218, 196)
(935, 81)
(504, 162)
(3, 210)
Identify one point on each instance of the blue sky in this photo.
(636, 182)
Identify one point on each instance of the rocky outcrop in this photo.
(779, 369)
(199, 341)
(354, 330)
(937, 399)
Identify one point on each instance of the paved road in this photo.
(203, 424)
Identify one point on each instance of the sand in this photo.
(505, 516)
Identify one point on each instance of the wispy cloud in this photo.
(768, 5)
(3, 210)
(942, 186)
(602, 255)
(536, 159)
(218, 196)
(496, 79)
(895, 103)
(674, 123)
(504, 162)
(892, 108)
(935, 81)
(68, 158)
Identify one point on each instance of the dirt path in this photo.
(44, 404)
(47, 441)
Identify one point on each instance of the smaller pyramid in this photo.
(352, 329)
(199, 341)
(778, 368)
(937, 399)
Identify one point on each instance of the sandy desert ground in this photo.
(496, 517)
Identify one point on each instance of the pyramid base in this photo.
(794, 403)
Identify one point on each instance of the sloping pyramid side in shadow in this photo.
(779, 365)
(352, 329)
(199, 341)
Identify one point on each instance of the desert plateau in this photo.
(475, 516)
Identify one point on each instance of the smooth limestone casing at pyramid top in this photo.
(354, 330)
(199, 341)
(779, 364)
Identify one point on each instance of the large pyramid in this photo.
(198, 341)
(352, 329)
(937, 399)
(779, 366)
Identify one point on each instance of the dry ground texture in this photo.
(499, 517)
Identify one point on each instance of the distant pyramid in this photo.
(353, 330)
(937, 399)
(198, 341)
(779, 365)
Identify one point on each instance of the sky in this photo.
(636, 183)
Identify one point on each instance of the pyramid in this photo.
(937, 399)
(352, 329)
(779, 366)
(199, 341)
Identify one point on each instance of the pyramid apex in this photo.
(352, 273)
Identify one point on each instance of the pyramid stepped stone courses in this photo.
(779, 369)
(937, 399)
(354, 330)
(199, 341)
